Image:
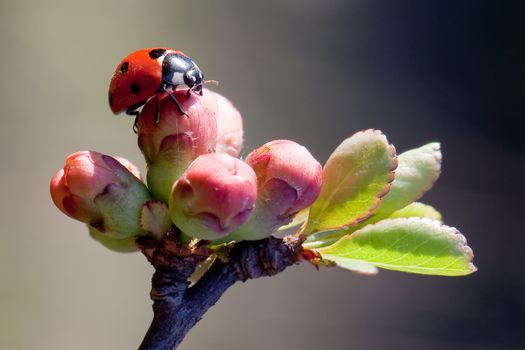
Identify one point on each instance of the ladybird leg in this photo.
(136, 122)
(188, 93)
(174, 100)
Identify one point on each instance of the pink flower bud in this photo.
(288, 178)
(229, 127)
(131, 167)
(213, 197)
(170, 146)
(98, 190)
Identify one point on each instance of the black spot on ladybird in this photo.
(135, 89)
(124, 68)
(156, 53)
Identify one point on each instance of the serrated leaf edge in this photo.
(386, 190)
(438, 156)
(147, 205)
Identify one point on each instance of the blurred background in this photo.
(314, 71)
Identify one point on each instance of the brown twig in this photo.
(177, 307)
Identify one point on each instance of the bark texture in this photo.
(177, 307)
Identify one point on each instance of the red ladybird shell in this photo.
(137, 78)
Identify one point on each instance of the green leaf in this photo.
(417, 171)
(298, 220)
(355, 177)
(353, 265)
(415, 245)
(417, 210)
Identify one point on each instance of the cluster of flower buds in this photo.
(194, 176)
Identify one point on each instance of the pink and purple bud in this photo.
(131, 167)
(289, 179)
(213, 197)
(229, 127)
(171, 145)
(100, 191)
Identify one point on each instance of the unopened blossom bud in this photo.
(122, 245)
(170, 145)
(131, 167)
(229, 127)
(213, 197)
(97, 189)
(288, 178)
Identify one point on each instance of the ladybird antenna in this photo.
(212, 82)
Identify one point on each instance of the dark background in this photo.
(308, 70)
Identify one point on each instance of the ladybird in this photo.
(146, 73)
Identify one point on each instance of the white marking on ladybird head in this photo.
(177, 79)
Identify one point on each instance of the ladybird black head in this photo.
(156, 53)
(135, 88)
(124, 67)
(194, 79)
